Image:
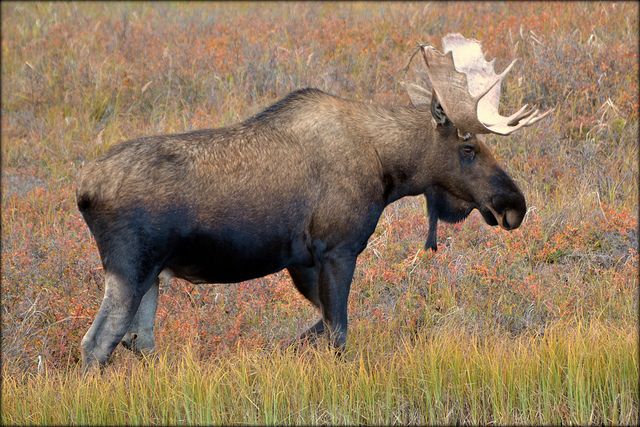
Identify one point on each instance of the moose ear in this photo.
(438, 112)
(417, 94)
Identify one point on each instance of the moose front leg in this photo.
(335, 278)
(306, 280)
(432, 236)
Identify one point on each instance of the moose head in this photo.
(464, 103)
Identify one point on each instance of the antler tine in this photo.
(516, 117)
(502, 129)
(509, 67)
(540, 117)
(531, 117)
(520, 114)
(497, 81)
(487, 90)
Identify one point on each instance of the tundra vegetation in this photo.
(536, 325)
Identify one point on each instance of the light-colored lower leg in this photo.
(117, 310)
(140, 337)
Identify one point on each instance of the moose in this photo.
(299, 186)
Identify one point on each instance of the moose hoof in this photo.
(93, 361)
(92, 365)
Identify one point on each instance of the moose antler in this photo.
(468, 88)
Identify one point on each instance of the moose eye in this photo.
(468, 149)
(468, 152)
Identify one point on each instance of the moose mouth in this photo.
(489, 217)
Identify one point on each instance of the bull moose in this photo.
(299, 186)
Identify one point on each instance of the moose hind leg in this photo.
(122, 297)
(140, 338)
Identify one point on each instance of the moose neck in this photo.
(403, 138)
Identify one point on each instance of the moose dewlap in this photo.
(299, 186)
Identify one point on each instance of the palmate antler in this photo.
(468, 88)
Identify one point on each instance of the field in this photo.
(537, 325)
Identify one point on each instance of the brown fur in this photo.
(300, 186)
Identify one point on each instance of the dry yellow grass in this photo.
(571, 375)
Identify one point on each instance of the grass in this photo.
(538, 325)
(587, 376)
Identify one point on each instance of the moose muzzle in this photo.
(508, 205)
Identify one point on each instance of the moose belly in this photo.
(218, 257)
